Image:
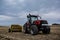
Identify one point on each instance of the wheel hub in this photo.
(31, 32)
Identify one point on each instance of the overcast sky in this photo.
(15, 11)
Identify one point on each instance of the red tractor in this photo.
(34, 25)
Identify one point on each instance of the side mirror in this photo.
(40, 17)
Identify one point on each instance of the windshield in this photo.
(33, 19)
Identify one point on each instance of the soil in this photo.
(5, 35)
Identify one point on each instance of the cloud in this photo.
(4, 17)
(14, 2)
(24, 14)
(10, 2)
(52, 15)
(16, 10)
(44, 6)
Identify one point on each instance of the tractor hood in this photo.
(37, 22)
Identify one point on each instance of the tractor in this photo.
(36, 24)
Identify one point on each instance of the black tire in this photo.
(33, 30)
(46, 31)
(9, 30)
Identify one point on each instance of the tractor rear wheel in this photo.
(33, 30)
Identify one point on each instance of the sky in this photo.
(15, 11)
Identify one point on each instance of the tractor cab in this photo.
(32, 18)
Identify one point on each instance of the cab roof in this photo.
(32, 15)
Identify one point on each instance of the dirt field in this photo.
(54, 35)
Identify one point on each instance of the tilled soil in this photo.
(54, 35)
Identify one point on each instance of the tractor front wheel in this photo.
(33, 30)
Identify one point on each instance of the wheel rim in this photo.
(31, 31)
